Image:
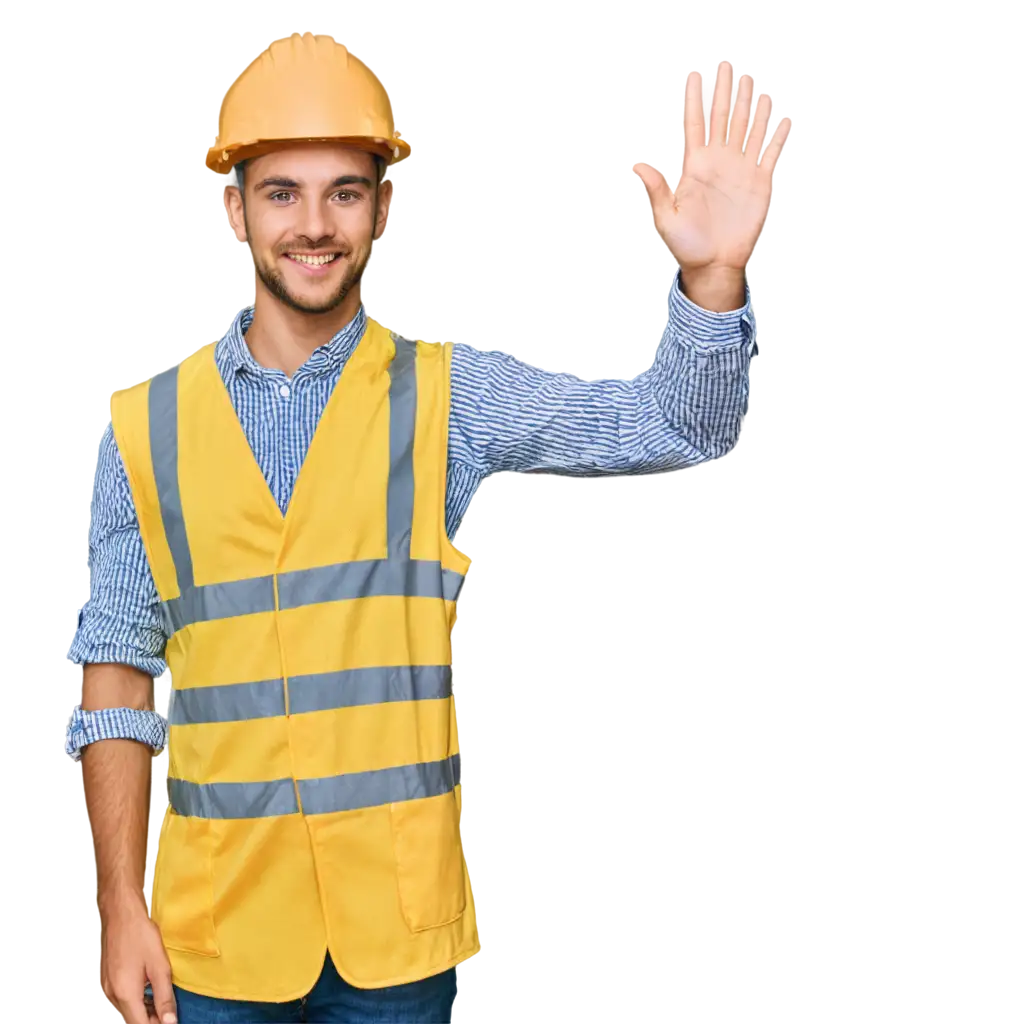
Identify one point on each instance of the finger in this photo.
(760, 126)
(741, 113)
(163, 994)
(112, 999)
(658, 191)
(670, 170)
(720, 104)
(693, 113)
(132, 1009)
(771, 154)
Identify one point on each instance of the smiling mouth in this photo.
(310, 260)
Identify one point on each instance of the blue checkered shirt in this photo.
(505, 415)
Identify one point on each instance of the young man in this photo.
(273, 520)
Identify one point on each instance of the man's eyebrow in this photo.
(345, 179)
(351, 179)
(278, 182)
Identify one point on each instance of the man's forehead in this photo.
(313, 160)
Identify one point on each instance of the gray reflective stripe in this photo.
(163, 446)
(352, 687)
(372, 578)
(341, 582)
(319, 796)
(234, 702)
(325, 691)
(384, 786)
(401, 485)
(232, 799)
(219, 601)
(451, 584)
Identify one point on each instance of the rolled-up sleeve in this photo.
(120, 623)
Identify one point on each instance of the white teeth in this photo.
(313, 261)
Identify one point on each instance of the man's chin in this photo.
(308, 297)
(313, 304)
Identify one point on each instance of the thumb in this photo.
(657, 187)
(163, 993)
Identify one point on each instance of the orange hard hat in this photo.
(305, 89)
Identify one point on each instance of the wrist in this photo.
(716, 289)
(120, 901)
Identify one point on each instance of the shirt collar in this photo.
(329, 357)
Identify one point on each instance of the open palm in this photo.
(714, 216)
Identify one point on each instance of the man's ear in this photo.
(235, 206)
(384, 191)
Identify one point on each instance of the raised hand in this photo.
(713, 218)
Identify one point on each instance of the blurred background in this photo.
(739, 743)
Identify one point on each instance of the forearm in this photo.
(117, 778)
(701, 372)
(685, 409)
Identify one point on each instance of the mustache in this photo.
(310, 247)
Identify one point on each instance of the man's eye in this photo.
(350, 194)
(281, 195)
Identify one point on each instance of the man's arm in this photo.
(688, 407)
(120, 623)
(114, 732)
(685, 409)
(119, 642)
(116, 776)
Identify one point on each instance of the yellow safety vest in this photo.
(314, 757)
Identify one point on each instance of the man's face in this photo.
(310, 215)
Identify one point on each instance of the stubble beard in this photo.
(275, 284)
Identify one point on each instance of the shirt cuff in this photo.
(85, 727)
(86, 652)
(707, 330)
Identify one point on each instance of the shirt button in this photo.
(285, 391)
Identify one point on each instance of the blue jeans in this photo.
(332, 999)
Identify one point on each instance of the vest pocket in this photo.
(183, 885)
(428, 860)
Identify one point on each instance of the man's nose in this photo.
(314, 223)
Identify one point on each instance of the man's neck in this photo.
(283, 338)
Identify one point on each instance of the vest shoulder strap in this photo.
(118, 393)
(131, 392)
(425, 350)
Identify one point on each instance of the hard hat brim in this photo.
(223, 159)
